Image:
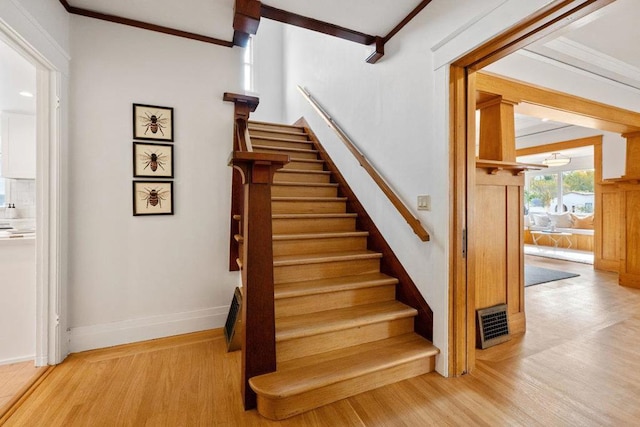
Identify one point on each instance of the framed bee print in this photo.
(152, 160)
(152, 197)
(152, 123)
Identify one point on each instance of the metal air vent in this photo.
(233, 325)
(492, 325)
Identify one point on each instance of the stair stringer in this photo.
(406, 291)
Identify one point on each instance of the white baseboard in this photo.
(127, 331)
(17, 360)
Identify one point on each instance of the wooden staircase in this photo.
(339, 329)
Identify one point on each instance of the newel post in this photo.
(258, 313)
(244, 105)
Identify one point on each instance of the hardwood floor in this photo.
(14, 380)
(578, 364)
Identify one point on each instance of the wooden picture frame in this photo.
(152, 160)
(152, 198)
(152, 123)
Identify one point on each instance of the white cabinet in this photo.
(18, 137)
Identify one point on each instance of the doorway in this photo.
(50, 270)
(463, 84)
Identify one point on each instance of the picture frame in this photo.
(152, 160)
(152, 123)
(152, 198)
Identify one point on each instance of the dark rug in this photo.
(536, 275)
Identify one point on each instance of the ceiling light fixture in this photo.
(27, 94)
(556, 159)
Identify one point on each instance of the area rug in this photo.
(536, 275)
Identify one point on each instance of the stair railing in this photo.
(402, 208)
(252, 247)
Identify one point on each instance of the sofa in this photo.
(579, 226)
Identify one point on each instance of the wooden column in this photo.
(498, 221)
(629, 188)
(244, 105)
(497, 130)
(258, 312)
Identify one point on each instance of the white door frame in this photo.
(51, 347)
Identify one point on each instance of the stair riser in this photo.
(314, 344)
(316, 246)
(312, 225)
(308, 207)
(258, 133)
(278, 409)
(269, 126)
(282, 144)
(333, 300)
(303, 191)
(322, 178)
(325, 270)
(297, 165)
(298, 154)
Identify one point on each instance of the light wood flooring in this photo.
(578, 365)
(14, 380)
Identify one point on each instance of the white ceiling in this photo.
(16, 75)
(605, 43)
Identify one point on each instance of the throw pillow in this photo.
(541, 220)
(585, 222)
(562, 220)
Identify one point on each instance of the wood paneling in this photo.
(630, 239)
(498, 244)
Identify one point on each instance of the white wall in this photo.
(134, 278)
(397, 112)
(17, 300)
(268, 65)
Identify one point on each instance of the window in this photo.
(247, 64)
(569, 191)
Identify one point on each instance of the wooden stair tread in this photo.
(275, 131)
(310, 324)
(310, 172)
(320, 258)
(314, 216)
(321, 286)
(269, 125)
(305, 184)
(271, 138)
(281, 237)
(285, 149)
(308, 199)
(314, 372)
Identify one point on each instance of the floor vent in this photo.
(233, 324)
(493, 326)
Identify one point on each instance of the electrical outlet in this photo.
(424, 203)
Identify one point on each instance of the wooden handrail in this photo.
(413, 222)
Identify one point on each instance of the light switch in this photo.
(424, 203)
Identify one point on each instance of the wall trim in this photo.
(103, 335)
(17, 359)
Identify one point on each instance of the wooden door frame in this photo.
(554, 16)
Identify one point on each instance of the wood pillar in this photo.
(629, 190)
(497, 130)
(246, 19)
(244, 105)
(258, 311)
(632, 169)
